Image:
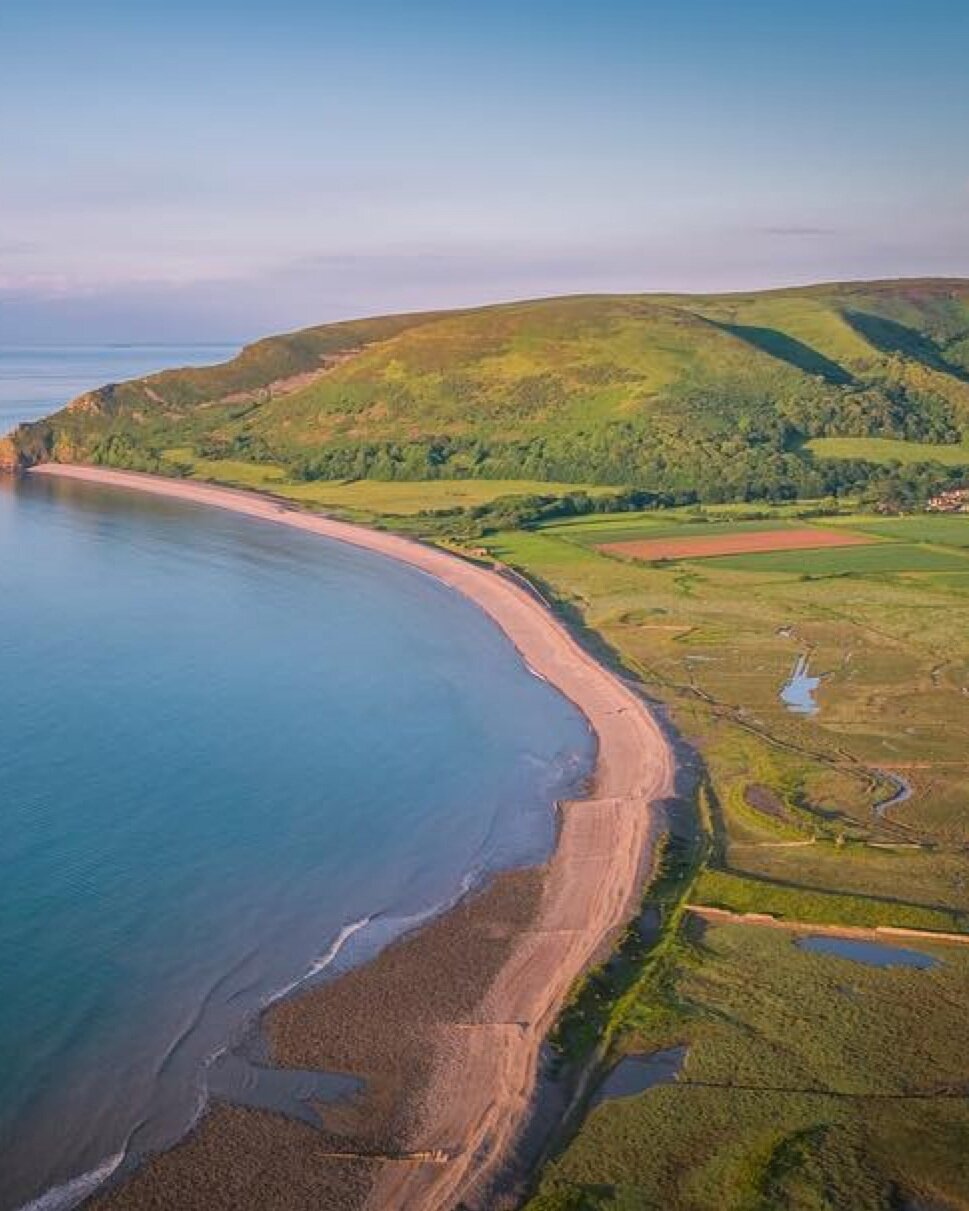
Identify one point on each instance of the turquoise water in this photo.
(221, 744)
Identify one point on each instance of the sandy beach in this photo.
(445, 1025)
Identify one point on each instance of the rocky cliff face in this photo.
(11, 458)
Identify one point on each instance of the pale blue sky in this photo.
(207, 169)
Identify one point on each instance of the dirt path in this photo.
(722, 916)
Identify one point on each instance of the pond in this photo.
(874, 954)
(634, 1074)
(797, 693)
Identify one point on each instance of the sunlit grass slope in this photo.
(691, 395)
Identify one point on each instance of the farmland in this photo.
(785, 806)
(749, 542)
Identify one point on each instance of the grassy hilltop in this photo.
(747, 396)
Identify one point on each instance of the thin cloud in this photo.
(795, 232)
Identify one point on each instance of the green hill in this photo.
(717, 396)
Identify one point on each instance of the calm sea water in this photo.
(221, 744)
(34, 382)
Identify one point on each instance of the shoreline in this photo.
(450, 1058)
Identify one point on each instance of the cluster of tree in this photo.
(902, 488)
(121, 450)
(524, 511)
(249, 447)
(898, 411)
(750, 465)
(433, 458)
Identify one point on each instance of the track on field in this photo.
(751, 542)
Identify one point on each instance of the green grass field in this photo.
(849, 561)
(951, 530)
(365, 497)
(788, 809)
(888, 450)
(809, 1082)
(658, 525)
(723, 889)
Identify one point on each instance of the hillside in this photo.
(716, 396)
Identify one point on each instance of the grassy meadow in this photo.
(361, 498)
(784, 1099)
(888, 450)
(809, 1082)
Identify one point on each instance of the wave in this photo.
(347, 932)
(318, 966)
(68, 1195)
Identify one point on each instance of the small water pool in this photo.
(798, 691)
(634, 1074)
(874, 954)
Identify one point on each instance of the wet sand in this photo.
(445, 1025)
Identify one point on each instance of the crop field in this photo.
(950, 530)
(649, 527)
(746, 542)
(881, 558)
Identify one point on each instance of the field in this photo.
(363, 497)
(785, 805)
(885, 557)
(888, 450)
(801, 1088)
(749, 542)
(951, 530)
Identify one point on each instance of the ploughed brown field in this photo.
(751, 543)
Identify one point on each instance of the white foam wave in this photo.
(323, 962)
(68, 1195)
(345, 934)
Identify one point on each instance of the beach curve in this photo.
(481, 1076)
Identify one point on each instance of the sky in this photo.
(215, 170)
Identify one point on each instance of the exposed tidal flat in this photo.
(223, 744)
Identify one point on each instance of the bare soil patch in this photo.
(750, 543)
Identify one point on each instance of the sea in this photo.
(234, 759)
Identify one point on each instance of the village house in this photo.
(953, 500)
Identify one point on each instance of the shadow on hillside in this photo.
(792, 351)
(889, 336)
